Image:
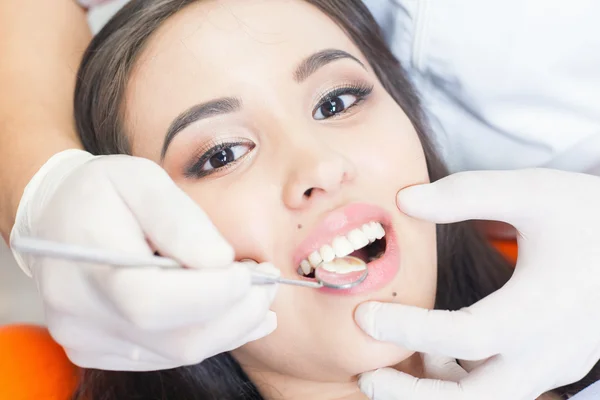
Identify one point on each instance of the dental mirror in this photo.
(341, 273)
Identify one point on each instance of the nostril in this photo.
(308, 193)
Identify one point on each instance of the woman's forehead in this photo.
(216, 49)
(209, 35)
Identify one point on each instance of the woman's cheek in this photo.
(393, 150)
(246, 211)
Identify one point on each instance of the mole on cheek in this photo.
(299, 226)
(394, 294)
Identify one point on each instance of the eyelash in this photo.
(360, 90)
(195, 170)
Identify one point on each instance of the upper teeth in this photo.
(343, 245)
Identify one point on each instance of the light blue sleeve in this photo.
(590, 393)
(100, 11)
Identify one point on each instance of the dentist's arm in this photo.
(542, 329)
(41, 47)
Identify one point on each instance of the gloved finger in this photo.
(87, 337)
(90, 346)
(442, 368)
(159, 299)
(113, 363)
(513, 197)
(97, 215)
(389, 384)
(504, 379)
(457, 334)
(66, 289)
(175, 224)
(470, 365)
(265, 328)
(194, 344)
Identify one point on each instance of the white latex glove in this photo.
(438, 371)
(117, 318)
(542, 329)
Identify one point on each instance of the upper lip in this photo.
(339, 222)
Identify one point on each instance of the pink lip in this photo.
(340, 222)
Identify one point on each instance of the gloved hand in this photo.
(117, 318)
(437, 370)
(542, 329)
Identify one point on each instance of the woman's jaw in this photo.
(274, 385)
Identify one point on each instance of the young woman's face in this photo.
(273, 121)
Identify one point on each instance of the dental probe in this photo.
(45, 248)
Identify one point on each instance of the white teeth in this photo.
(342, 246)
(358, 239)
(369, 232)
(378, 229)
(305, 265)
(315, 259)
(327, 253)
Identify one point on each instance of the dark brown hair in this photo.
(468, 268)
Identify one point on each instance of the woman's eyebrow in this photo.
(311, 64)
(213, 108)
(227, 105)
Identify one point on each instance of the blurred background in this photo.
(19, 301)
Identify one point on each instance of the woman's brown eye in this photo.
(219, 157)
(334, 106)
(222, 158)
(225, 156)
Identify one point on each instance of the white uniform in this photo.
(506, 83)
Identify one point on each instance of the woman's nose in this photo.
(316, 173)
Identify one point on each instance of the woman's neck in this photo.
(274, 386)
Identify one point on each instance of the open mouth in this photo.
(367, 243)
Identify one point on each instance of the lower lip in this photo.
(381, 271)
